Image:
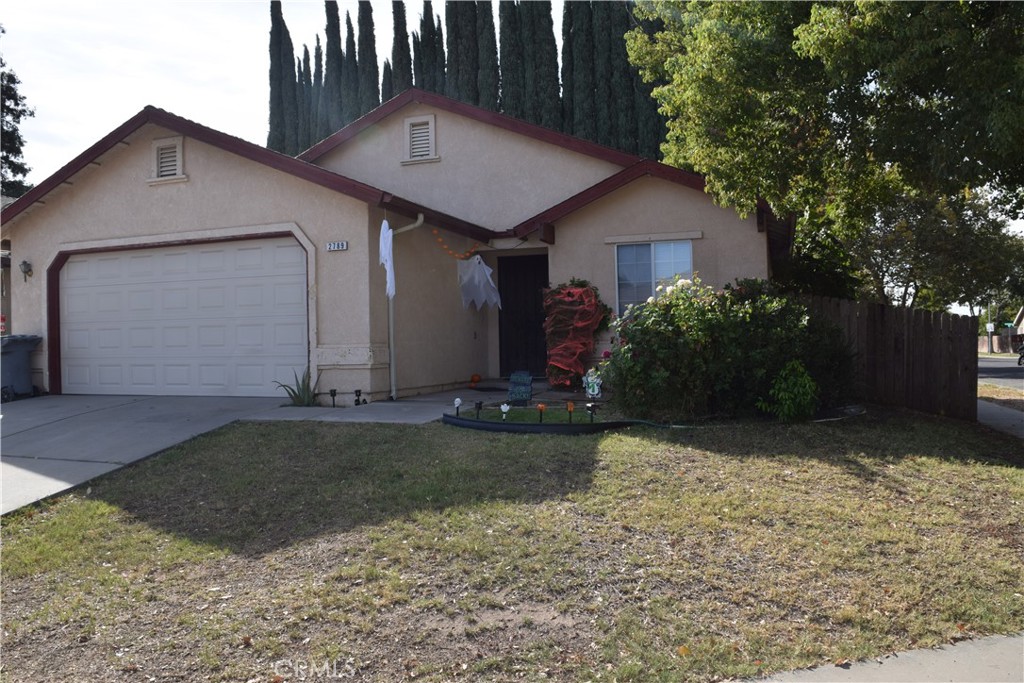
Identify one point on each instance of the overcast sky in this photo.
(86, 66)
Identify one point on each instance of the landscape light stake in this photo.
(591, 408)
(334, 395)
(479, 406)
(458, 402)
(504, 411)
(540, 411)
(569, 407)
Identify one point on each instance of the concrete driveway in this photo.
(52, 443)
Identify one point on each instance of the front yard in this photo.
(312, 551)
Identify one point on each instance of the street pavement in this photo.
(1001, 370)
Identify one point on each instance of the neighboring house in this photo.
(170, 258)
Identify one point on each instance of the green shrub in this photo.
(692, 351)
(794, 394)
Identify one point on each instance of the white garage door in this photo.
(212, 319)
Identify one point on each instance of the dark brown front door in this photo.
(521, 283)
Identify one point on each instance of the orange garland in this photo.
(463, 256)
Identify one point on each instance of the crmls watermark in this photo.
(312, 670)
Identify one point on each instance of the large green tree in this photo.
(12, 142)
(848, 115)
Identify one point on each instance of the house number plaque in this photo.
(337, 246)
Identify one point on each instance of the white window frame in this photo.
(178, 145)
(410, 124)
(635, 240)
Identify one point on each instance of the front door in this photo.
(521, 283)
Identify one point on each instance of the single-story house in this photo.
(171, 258)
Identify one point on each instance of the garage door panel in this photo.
(224, 319)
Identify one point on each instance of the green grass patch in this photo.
(389, 552)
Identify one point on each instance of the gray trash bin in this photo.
(15, 368)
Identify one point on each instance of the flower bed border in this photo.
(565, 429)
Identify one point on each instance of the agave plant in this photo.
(304, 392)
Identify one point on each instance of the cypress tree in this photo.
(369, 71)
(440, 76)
(305, 99)
(453, 60)
(316, 121)
(289, 93)
(275, 133)
(349, 77)
(513, 75)
(387, 84)
(417, 62)
(331, 109)
(488, 76)
(651, 127)
(469, 53)
(428, 49)
(548, 107)
(568, 84)
(624, 115)
(401, 59)
(602, 73)
(530, 56)
(583, 72)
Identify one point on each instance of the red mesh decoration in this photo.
(573, 315)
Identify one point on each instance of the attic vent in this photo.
(420, 140)
(168, 164)
(166, 161)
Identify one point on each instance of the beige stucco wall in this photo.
(486, 175)
(111, 205)
(438, 342)
(729, 247)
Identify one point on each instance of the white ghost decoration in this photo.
(476, 283)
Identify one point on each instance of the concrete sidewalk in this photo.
(996, 659)
(1001, 418)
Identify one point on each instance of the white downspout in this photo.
(391, 318)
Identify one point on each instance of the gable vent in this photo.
(167, 161)
(419, 140)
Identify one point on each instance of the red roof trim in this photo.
(229, 143)
(605, 187)
(441, 220)
(491, 118)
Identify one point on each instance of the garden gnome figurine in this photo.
(592, 383)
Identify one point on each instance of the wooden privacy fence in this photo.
(907, 357)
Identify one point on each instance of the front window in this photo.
(642, 267)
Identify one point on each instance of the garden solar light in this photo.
(504, 411)
(458, 402)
